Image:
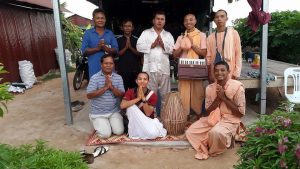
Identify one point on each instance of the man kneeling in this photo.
(225, 104)
(105, 90)
(139, 104)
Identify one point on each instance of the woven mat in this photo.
(94, 140)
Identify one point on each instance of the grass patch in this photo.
(52, 74)
(39, 156)
(71, 69)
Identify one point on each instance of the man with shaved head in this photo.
(224, 45)
(191, 91)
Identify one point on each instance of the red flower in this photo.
(298, 151)
(259, 130)
(271, 131)
(286, 122)
(281, 147)
(285, 140)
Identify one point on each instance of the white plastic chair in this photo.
(295, 73)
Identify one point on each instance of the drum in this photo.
(173, 117)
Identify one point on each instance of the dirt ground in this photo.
(39, 114)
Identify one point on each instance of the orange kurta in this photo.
(232, 50)
(192, 91)
(210, 139)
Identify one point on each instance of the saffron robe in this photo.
(210, 136)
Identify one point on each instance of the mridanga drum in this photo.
(173, 116)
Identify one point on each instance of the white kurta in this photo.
(156, 59)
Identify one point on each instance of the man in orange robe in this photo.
(229, 47)
(225, 103)
(191, 91)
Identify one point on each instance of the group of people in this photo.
(135, 89)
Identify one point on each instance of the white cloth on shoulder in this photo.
(142, 127)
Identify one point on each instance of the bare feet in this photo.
(201, 156)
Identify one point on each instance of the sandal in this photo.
(86, 157)
(99, 151)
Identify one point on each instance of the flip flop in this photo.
(74, 103)
(99, 151)
(77, 102)
(86, 157)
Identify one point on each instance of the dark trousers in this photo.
(129, 79)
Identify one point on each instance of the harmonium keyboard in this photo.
(192, 69)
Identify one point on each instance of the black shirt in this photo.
(129, 62)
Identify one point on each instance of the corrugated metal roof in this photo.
(43, 3)
(34, 4)
(79, 16)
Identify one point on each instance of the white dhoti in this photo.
(142, 127)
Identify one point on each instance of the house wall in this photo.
(26, 34)
(80, 21)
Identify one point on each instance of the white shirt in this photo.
(156, 59)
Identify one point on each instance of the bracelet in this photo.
(144, 101)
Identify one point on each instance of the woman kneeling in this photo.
(139, 104)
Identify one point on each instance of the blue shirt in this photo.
(107, 102)
(91, 39)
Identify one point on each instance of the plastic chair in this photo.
(295, 73)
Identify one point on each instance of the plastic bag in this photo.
(27, 73)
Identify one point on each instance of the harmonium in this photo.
(192, 69)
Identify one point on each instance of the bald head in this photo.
(189, 22)
(189, 15)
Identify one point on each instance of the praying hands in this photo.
(140, 93)
(158, 42)
(108, 82)
(221, 93)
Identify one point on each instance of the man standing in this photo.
(224, 44)
(98, 41)
(105, 90)
(129, 58)
(191, 91)
(157, 44)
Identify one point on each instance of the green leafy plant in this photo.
(273, 141)
(72, 36)
(4, 94)
(283, 36)
(39, 156)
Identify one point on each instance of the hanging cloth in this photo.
(257, 16)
